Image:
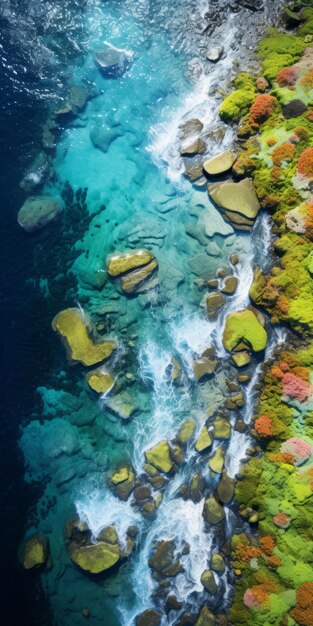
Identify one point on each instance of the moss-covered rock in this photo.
(95, 558)
(35, 552)
(237, 201)
(122, 262)
(244, 327)
(75, 329)
(208, 581)
(100, 380)
(204, 441)
(160, 457)
(213, 512)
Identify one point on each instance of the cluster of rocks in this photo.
(101, 554)
(221, 286)
(135, 270)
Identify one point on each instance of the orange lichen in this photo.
(246, 552)
(271, 141)
(263, 106)
(273, 561)
(282, 153)
(267, 544)
(303, 611)
(281, 520)
(305, 163)
(307, 80)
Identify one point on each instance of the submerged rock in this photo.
(113, 62)
(96, 557)
(37, 212)
(243, 327)
(241, 359)
(120, 405)
(159, 456)
(237, 201)
(75, 328)
(220, 163)
(35, 552)
(78, 97)
(131, 281)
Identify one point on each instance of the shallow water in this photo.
(124, 148)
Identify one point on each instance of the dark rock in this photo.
(294, 108)
(149, 618)
(172, 604)
(226, 489)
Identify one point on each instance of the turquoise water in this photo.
(124, 148)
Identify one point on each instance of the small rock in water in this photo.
(190, 127)
(112, 61)
(214, 54)
(150, 617)
(37, 212)
(195, 147)
(208, 581)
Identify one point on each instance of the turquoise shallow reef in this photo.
(141, 418)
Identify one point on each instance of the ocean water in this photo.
(123, 149)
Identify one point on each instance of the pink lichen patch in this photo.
(250, 600)
(299, 449)
(296, 387)
(281, 520)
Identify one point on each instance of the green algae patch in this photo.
(244, 326)
(95, 558)
(75, 329)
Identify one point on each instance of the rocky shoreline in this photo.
(268, 558)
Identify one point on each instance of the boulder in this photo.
(208, 581)
(196, 488)
(206, 617)
(236, 401)
(122, 262)
(150, 617)
(109, 535)
(96, 557)
(35, 552)
(241, 359)
(133, 280)
(216, 462)
(190, 127)
(244, 327)
(100, 380)
(230, 285)
(123, 481)
(113, 62)
(214, 302)
(163, 561)
(217, 563)
(197, 146)
(294, 108)
(120, 405)
(214, 54)
(37, 212)
(75, 329)
(204, 441)
(159, 456)
(204, 367)
(226, 489)
(221, 428)
(213, 512)
(186, 431)
(220, 163)
(238, 202)
(77, 97)
(178, 454)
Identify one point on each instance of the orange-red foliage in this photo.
(307, 80)
(273, 561)
(263, 106)
(303, 611)
(308, 222)
(267, 544)
(264, 426)
(245, 553)
(287, 76)
(271, 141)
(305, 163)
(283, 152)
